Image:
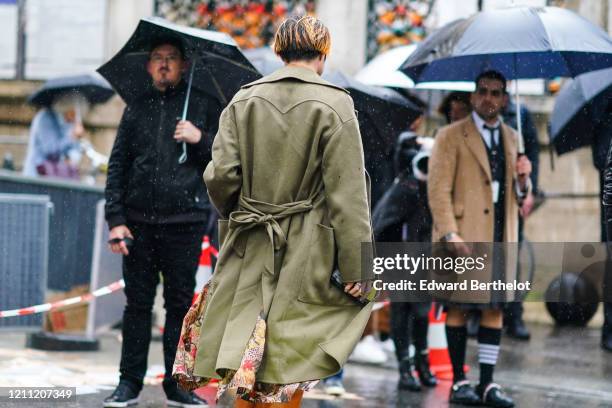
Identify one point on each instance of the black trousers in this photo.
(409, 324)
(172, 250)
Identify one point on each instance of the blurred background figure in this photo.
(53, 149)
(455, 106)
(514, 324)
(402, 215)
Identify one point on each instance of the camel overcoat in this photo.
(460, 191)
(287, 177)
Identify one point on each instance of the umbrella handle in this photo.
(519, 125)
(183, 158)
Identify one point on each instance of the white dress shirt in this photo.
(486, 137)
(484, 132)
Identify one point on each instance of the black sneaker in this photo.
(493, 396)
(123, 396)
(180, 398)
(463, 393)
(407, 379)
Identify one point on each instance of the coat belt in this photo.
(254, 214)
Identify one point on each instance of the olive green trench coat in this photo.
(287, 176)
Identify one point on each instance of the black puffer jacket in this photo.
(145, 181)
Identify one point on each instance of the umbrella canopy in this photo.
(383, 71)
(221, 68)
(91, 87)
(264, 59)
(519, 42)
(579, 106)
(387, 110)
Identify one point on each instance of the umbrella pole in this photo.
(183, 158)
(519, 125)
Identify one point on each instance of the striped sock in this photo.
(488, 350)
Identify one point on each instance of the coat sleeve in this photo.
(118, 169)
(346, 196)
(223, 175)
(532, 146)
(440, 180)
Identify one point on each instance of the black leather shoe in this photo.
(462, 393)
(180, 398)
(606, 344)
(422, 367)
(517, 330)
(123, 396)
(494, 396)
(407, 379)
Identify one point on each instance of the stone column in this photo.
(347, 22)
(123, 17)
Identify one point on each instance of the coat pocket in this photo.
(316, 287)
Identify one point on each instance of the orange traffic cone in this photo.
(204, 267)
(439, 359)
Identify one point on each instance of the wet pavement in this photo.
(557, 368)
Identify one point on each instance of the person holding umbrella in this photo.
(157, 210)
(53, 148)
(480, 205)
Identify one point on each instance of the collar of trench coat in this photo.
(299, 73)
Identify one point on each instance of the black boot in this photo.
(422, 366)
(407, 380)
(518, 330)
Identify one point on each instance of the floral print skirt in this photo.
(242, 379)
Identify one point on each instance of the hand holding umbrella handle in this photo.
(183, 158)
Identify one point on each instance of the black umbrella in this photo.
(91, 87)
(264, 59)
(387, 110)
(579, 107)
(221, 68)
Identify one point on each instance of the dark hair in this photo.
(173, 41)
(455, 96)
(492, 75)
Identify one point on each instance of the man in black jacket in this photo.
(157, 211)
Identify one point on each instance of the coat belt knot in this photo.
(253, 213)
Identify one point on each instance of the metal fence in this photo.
(24, 236)
(71, 228)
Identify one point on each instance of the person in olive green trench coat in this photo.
(287, 176)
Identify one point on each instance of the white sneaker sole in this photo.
(121, 404)
(335, 391)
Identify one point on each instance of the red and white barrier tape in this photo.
(113, 287)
